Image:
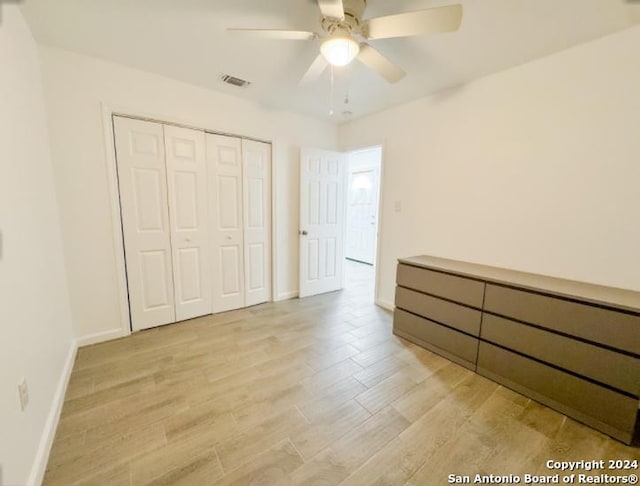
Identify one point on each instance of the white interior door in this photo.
(142, 181)
(322, 180)
(224, 162)
(188, 212)
(362, 205)
(256, 158)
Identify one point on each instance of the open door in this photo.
(362, 204)
(321, 232)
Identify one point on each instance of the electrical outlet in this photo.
(23, 391)
(397, 206)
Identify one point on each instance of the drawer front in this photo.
(594, 405)
(426, 332)
(611, 328)
(459, 289)
(617, 370)
(448, 313)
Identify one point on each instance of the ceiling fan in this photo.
(345, 33)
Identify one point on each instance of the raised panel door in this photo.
(188, 211)
(142, 181)
(256, 157)
(224, 161)
(322, 175)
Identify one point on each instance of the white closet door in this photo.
(224, 163)
(257, 221)
(188, 211)
(322, 175)
(142, 180)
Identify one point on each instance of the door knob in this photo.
(228, 237)
(303, 232)
(188, 239)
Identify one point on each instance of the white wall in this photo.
(75, 87)
(36, 340)
(536, 168)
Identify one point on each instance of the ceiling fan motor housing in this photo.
(353, 11)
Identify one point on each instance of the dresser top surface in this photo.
(596, 294)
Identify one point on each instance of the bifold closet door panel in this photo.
(224, 164)
(189, 219)
(142, 181)
(257, 220)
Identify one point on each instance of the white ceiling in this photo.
(187, 40)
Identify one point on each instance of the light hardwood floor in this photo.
(311, 391)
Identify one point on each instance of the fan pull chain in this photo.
(331, 94)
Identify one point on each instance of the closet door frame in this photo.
(108, 112)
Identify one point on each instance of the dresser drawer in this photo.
(609, 327)
(442, 340)
(614, 369)
(604, 409)
(454, 315)
(459, 289)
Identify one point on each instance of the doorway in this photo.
(362, 198)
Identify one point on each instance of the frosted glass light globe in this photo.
(339, 50)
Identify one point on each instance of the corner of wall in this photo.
(49, 432)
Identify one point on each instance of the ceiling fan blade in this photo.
(315, 70)
(276, 34)
(432, 20)
(371, 58)
(332, 8)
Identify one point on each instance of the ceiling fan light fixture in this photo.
(340, 49)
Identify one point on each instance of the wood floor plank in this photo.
(334, 464)
(418, 400)
(332, 375)
(271, 467)
(241, 449)
(214, 418)
(106, 456)
(119, 475)
(425, 437)
(329, 398)
(191, 455)
(328, 426)
(382, 394)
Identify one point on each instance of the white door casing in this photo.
(256, 157)
(362, 211)
(189, 220)
(142, 181)
(224, 163)
(322, 188)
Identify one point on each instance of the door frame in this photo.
(380, 222)
(108, 112)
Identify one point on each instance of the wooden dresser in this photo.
(570, 345)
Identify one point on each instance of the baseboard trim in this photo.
(49, 432)
(100, 337)
(287, 295)
(385, 305)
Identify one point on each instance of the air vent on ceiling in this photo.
(233, 81)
